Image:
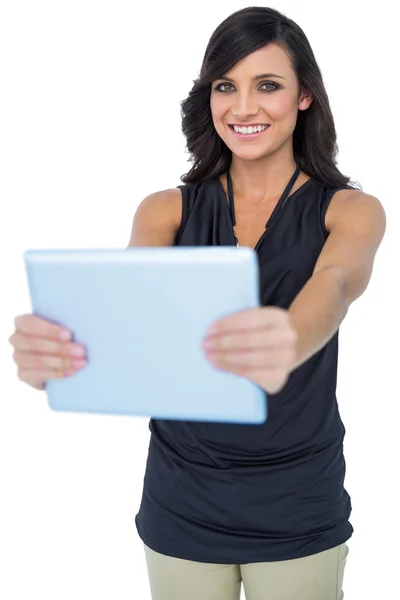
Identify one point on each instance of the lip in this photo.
(248, 136)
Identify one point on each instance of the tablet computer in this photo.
(142, 314)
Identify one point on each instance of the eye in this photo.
(274, 86)
(221, 87)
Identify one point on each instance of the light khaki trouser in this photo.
(317, 577)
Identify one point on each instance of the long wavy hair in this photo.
(314, 138)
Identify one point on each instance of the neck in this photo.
(261, 179)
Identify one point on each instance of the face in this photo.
(260, 94)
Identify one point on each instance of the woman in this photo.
(264, 505)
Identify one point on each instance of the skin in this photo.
(264, 344)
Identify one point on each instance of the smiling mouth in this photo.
(248, 131)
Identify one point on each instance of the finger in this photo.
(37, 345)
(251, 360)
(253, 318)
(250, 340)
(38, 379)
(39, 362)
(36, 326)
(271, 380)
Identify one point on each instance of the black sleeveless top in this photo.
(229, 493)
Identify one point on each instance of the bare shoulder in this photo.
(157, 219)
(165, 205)
(354, 209)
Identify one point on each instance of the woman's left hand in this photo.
(259, 344)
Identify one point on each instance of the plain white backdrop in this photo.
(90, 124)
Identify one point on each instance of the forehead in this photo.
(270, 59)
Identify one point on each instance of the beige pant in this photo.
(317, 577)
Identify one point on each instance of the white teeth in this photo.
(245, 130)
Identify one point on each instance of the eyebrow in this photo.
(256, 78)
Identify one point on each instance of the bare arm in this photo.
(356, 222)
(157, 219)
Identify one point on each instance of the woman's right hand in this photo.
(43, 351)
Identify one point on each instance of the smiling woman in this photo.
(260, 505)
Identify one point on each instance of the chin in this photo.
(250, 153)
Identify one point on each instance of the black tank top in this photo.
(229, 493)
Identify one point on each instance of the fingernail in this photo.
(76, 351)
(207, 344)
(64, 335)
(69, 372)
(78, 363)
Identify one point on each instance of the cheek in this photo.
(217, 115)
(218, 110)
(281, 108)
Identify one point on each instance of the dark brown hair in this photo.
(314, 137)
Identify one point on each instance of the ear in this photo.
(305, 99)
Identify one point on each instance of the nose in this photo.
(245, 105)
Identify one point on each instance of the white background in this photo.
(90, 124)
